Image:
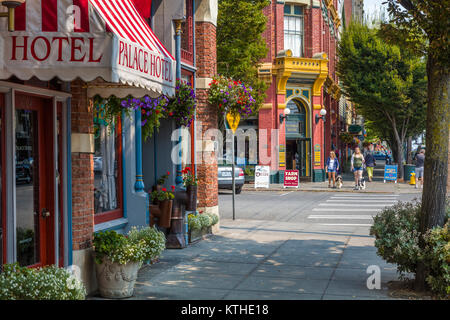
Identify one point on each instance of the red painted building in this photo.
(300, 69)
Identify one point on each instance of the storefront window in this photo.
(293, 29)
(107, 170)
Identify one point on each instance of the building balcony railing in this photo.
(187, 57)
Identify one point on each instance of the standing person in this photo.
(357, 164)
(370, 164)
(420, 162)
(331, 168)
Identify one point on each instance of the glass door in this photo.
(34, 185)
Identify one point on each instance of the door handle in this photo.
(45, 213)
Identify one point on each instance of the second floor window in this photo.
(293, 29)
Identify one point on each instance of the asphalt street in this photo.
(328, 208)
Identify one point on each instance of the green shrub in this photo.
(397, 240)
(205, 220)
(437, 259)
(214, 218)
(194, 222)
(118, 248)
(155, 241)
(397, 236)
(48, 283)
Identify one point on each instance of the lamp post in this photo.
(178, 25)
(287, 112)
(323, 113)
(11, 5)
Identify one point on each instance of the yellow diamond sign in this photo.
(233, 121)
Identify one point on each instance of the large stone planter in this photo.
(116, 281)
(196, 235)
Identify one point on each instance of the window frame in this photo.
(118, 213)
(302, 28)
(3, 180)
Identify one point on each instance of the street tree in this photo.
(384, 84)
(240, 45)
(413, 20)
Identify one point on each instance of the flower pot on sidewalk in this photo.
(116, 281)
(166, 213)
(191, 203)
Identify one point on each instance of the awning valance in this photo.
(85, 39)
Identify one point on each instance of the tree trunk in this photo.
(408, 151)
(436, 159)
(400, 159)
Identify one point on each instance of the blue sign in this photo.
(390, 172)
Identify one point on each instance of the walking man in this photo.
(420, 162)
(370, 164)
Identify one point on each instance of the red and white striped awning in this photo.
(86, 39)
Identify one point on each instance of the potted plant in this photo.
(190, 181)
(155, 242)
(183, 104)
(46, 283)
(160, 182)
(200, 225)
(249, 174)
(117, 260)
(165, 200)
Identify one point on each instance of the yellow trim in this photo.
(285, 66)
(282, 106)
(308, 131)
(317, 107)
(266, 106)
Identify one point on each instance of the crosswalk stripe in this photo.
(336, 217)
(366, 201)
(381, 205)
(346, 224)
(365, 195)
(345, 209)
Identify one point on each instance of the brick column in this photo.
(82, 183)
(205, 33)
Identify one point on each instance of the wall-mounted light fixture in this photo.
(11, 5)
(323, 113)
(287, 111)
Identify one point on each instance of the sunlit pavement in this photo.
(284, 247)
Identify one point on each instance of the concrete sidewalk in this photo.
(376, 186)
(371, 187)
(257, 260)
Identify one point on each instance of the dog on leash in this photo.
(339, 182)
(362, 183)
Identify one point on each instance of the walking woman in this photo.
(331, 168)
(357, 164)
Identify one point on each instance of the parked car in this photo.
(225, 178)
(23, 170)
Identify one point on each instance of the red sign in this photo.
(291, 178)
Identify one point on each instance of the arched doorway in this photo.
(298, 141)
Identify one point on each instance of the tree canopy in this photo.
(240, 45)
(387, 85)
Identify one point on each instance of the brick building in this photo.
(300, 69)
(63, 173)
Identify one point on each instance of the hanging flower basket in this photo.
(181, 108)
(231, 96)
